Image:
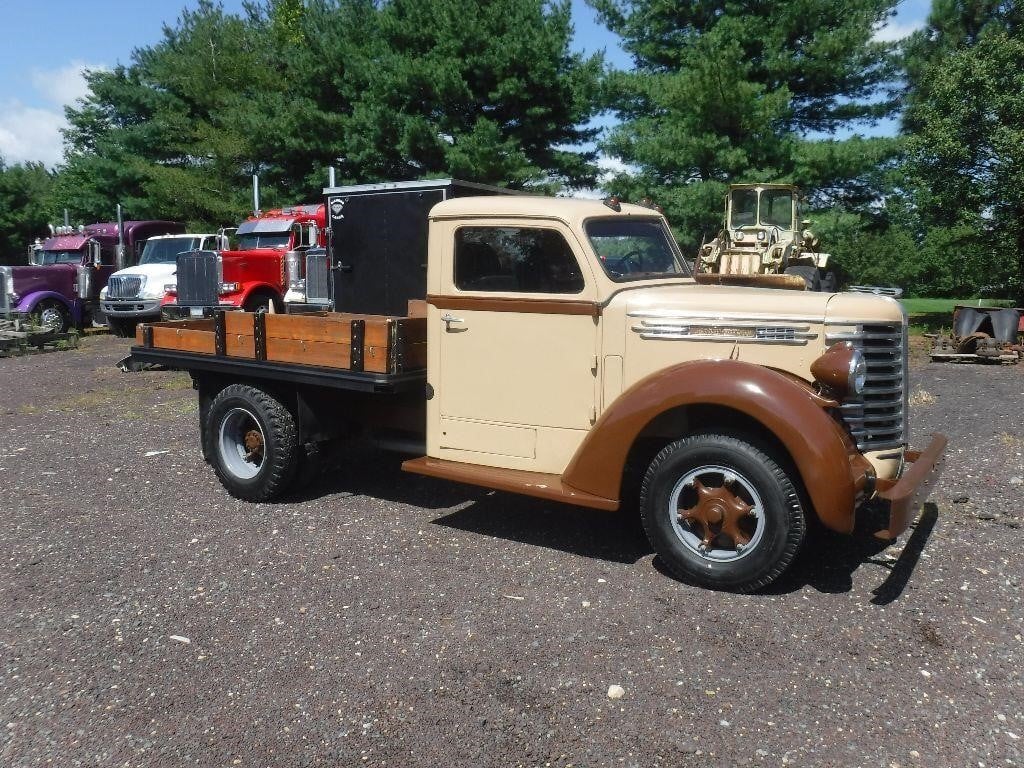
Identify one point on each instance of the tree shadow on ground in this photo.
(826, 563)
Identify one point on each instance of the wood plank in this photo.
(238, 322)
(302, 352)
(240, 345)
(335, 330)
(184, 339)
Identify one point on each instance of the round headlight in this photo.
(739, 235)
(858, 375)
(761, 235)
(842, 370)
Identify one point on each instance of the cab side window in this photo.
(515, 260)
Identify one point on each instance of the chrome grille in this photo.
(318, 277)
(124, 286)
(877, 419)
(198, 281)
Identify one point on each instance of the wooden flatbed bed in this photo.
(364, 353)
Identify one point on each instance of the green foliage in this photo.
(485, 91)
(967, 155)
(725, 92)
(24, 189)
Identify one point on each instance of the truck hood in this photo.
(711, 301)
(53, 277)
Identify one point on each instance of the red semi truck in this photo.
(253, 277)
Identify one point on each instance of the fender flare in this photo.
(789, 409)
(29, 301)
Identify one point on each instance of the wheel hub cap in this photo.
(715, 513)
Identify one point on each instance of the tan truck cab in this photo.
(570, 355)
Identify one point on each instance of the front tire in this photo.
(810, 275)
(721, 513)
(121, 327)
(253, 443)
(53, 315)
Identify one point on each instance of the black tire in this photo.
(121, 327)
(829, 283)
(808, 273)
(774, 536)
(240, 420)
(52, 314)
(261, 302)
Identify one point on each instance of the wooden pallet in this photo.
(17, 336)
(375, 343)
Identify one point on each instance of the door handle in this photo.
(448, 319)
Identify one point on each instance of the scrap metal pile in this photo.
(982, 335)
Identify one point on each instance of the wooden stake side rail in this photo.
(374, 343)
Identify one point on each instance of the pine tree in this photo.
(724, 91)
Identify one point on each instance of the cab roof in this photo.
(570, 210)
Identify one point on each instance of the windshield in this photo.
(634, 249)
(777, 208)
(166, 251)
(252, 240)
(59, 257)
(743, 208)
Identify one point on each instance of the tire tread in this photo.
(798, 525)
(283, 432)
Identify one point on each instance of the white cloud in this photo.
(894, 30)
(65, 85)
(29, 133)
(32, 133)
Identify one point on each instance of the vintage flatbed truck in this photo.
(564, 351)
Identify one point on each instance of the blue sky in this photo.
(48, 42)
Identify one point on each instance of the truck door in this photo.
(516, 330)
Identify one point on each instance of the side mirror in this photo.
(314, 235)
(95, 254)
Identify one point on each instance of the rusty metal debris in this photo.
(982, 335)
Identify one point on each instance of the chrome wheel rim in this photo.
(51, 318)
(242, 443)
(717, 514)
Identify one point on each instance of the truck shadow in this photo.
(826, 563)
(829, 560)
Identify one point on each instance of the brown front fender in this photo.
(787, 408)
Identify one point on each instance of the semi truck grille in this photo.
(198, 279)
(877, 419)
(124, 286)
(318, 274)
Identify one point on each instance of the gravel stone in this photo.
(363, 621)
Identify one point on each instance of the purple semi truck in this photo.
(61, 285)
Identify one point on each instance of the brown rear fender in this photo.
(787, 408)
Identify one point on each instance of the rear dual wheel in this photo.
(721, 513)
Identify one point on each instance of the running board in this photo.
(537, 484)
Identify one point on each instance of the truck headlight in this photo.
(229, 288)
(842, 370)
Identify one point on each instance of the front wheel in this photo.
(810, 275)
(253, 442)
(721, 513)
(121, 327)
(52, 315)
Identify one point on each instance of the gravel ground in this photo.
(384, 619)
